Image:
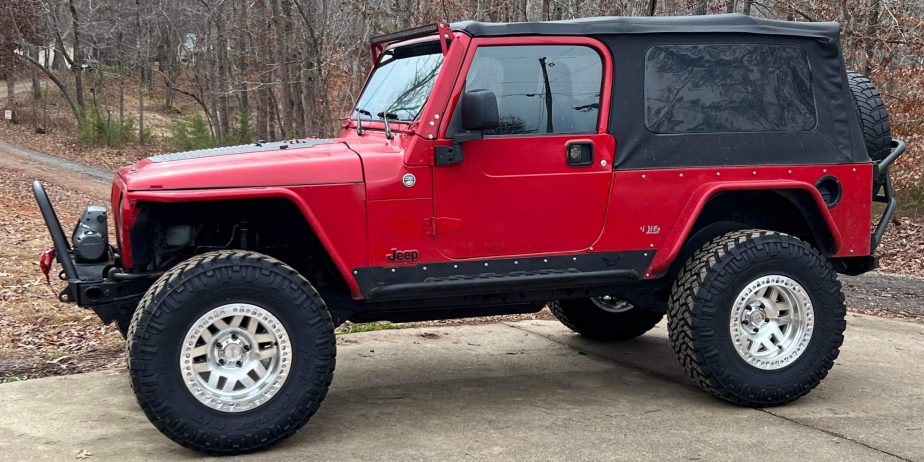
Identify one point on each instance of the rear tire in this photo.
(589, 319)
(757, 317)
(230, 352)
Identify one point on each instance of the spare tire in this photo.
(874, 120)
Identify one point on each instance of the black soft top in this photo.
(734, 23)
(674, 106)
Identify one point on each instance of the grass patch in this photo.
(11, 379)
(350, 328)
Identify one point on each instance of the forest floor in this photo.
(40, 336)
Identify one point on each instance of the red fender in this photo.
(688, 216)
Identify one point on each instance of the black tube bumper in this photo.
(97, 286)
(887, 196)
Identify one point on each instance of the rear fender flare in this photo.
(680, 232)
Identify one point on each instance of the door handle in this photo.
(580, 154)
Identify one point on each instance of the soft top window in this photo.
(728, 88)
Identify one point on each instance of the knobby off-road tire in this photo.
(589, 319)
(874, 119)
(290, 324)
(703, 325)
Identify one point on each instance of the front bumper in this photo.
(101, 286)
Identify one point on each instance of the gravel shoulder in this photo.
(888, 295)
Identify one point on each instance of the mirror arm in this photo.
(448, 155)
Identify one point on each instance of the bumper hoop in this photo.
(61, 245)
(881, 170)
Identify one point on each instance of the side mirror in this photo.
(479, 113)
(479, 110)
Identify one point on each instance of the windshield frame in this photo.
(425, 45)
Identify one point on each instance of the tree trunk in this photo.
(700, 7)
(141, 66)
(747, 7)
(282, 67)
(10, 89)
(77, 58)
(141, 111)
(871, 25)
(263, 45)
(242, 64)
(121, 98)
(224, 109)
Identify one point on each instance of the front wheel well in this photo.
(166, 233)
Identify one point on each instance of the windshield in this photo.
(401, 82)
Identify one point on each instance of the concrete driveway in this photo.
(524, 391)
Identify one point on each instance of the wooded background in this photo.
(272, 69)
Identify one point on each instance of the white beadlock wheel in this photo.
(771, 322)
(756, 317)
(230, 352)
(235, 357)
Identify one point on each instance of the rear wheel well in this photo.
(790, 211)
(167, 233)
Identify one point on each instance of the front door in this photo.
(540, 182)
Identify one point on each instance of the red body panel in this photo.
(655, 209)
(320, 164)
(510, 196)
(336, 214)
(506, 203)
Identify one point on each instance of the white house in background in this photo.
(50, 52)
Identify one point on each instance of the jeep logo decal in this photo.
(402, 255)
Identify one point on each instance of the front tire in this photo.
(757, 317)
(604, 318)
(230, 352)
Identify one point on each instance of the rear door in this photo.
(540, 182)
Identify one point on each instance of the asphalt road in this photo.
(519, 391)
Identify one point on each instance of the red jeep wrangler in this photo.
(719, 169)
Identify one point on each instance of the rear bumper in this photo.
(884, 193)
(100, 286)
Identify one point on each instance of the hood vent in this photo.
(241, 149)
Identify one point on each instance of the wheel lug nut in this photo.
(221, 361)
(238, 364)
(234, 336)
(218, 345)
(745, 322)
(246, 347)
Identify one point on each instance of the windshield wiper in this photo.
(385, 115)
(359, 120)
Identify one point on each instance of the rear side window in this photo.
(728, 88)
(540, 89)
